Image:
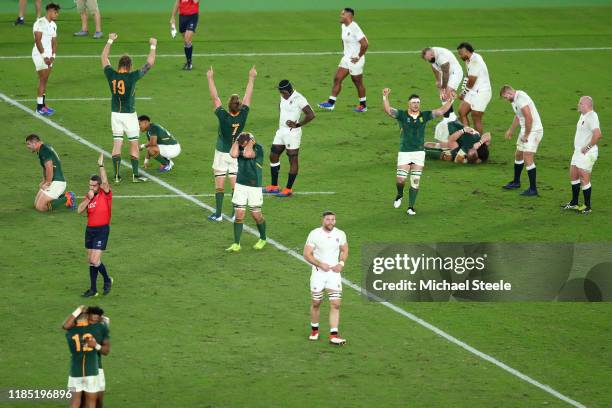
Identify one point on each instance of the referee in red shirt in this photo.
(188, 21)
(98, 203)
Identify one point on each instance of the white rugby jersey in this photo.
(326, 245)
(49, 31)
(587, 123)
(351, 35)
(442, 56)
(521, 99)
(291, 109)
(477, 67)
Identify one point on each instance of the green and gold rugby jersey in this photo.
(101, 333)
(163, 136)
(84, 361)
(230, 126)
(412, 130)
(249, 170)
(123, 89)
(47, 153)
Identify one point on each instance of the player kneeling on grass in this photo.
(161, 145)
(411, 157)
(464, 145)
(248, 190)
(326, 250)
(88, 339)
(50, 195)
(97, 326)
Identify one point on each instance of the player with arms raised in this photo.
(326, 250)
(355, 46)
(124, 119)
(43, 54)
(231, 124)
(411, 157)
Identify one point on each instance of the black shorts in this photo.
(188, 23)
(96, 237)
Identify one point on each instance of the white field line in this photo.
(142, 98)
(315, 53)
(212, 195)
(283, 248)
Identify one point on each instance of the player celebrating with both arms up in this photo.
(124, 119)
(411, 157)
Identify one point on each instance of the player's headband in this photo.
(285, 85)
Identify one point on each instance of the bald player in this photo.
(587, 135)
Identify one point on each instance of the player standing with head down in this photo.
(124, 119)
(411, 157)
(326, 250)
(98, 203)
(288, 136)
(529, 138)
(188, 22)
(476, 93)
(355, 46)
(231, 124)
(585, 154)
(43, 54)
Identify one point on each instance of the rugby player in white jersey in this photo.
(587, 135)
(288, 136)
(326, 250)
(448, 74)
(476, 93)
(43, 54)
(352, 62)
(526, 115)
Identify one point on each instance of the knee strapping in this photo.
(334, 295)
(402, 173)
(415, 178)
(318, 296)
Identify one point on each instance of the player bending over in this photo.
(411, 157)
(231, 123)
(248, 188)
(464, 145)
(50, 195)
(161, 145)
(124, 119)
(326, 250)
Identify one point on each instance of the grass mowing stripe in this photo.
(299, 257)
(317, 53)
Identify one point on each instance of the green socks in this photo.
(134, 166)
(219, 202)
(162, 159)
(58, 202)
(433, 153)
(237, 231)
(116, 165)
(412, 196)
(262, 230)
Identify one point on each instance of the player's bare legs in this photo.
(477, 118)
(43, 78)
(22, 10)
(292, 155)
(576, 180)
(275, 152)
(400, 183)
(315, 313)
(464, 110)
(341, 73)
(42, 201)
(361, 91)
(335, 299)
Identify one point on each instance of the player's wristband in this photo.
(109, 42)
(341, 263)
(76, 312)
(100, 165)
(98, 347)
(153, 47)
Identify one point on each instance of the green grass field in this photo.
(193, 326)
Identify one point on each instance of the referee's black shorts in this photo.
(97, 237)
(188, 23)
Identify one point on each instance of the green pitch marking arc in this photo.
(281, 5)
(297, 256)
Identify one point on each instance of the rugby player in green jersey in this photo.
(464, 145)
(231, 124)
(161, 145)
(50, 195)
(248, 190)
(98, 326)
(124, 119)
(411, 157)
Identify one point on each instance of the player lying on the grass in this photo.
(355, 46)
(288, 136)
(326, 250)
(248, 190)
(161, 145)
(124, 119)
(464, 145)
(50, 195)
(43, 54)
(88, 339)
(585, 154)
(98, 203)
(231, 123)
(529, 138)
(411, 157)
